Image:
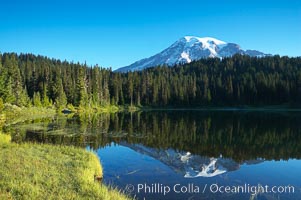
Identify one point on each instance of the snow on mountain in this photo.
(188, 49)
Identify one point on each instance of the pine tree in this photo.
(45, 99)
(106, 92)
(3, 76)
(130, 87)
(61, 99)
(8, 93)
(229, 88)
(37, 99)
(81, 89)
(24, 98)
(96, 86)
(13, 72)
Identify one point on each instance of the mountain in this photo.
(190, 48)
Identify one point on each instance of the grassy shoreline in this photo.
(35, 171)
(127, 108)
(14, 114)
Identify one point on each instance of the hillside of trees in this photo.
(27, 79)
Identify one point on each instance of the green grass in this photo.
(107, 109)
(15, 114)
(35, 171)
(99, 109)
(5, 139)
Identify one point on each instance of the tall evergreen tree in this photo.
(81, 89)
(61, 99)
(11, 64)
(37, 99)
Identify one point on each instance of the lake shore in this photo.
(39, 171)
(31, 170)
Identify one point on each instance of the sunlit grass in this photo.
(5, 139)
(35, 171)
(99, 109)
(108, 109)
(15, 114)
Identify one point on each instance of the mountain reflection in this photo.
(239, 136)
(187, 164)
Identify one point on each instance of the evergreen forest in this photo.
(27, 79)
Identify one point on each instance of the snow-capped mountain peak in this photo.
(197, 43)
(188, 49)
(206, 41)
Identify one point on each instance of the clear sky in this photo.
(115, 33)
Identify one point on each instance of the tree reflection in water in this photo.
(237, 135)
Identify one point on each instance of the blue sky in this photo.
(117, 33)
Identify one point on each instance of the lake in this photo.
(186, 154)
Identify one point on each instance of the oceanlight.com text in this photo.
(191, 188)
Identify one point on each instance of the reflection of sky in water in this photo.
(277, 172)
(123, 165)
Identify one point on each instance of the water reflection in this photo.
(183, 147)
(187, 164)
(235, 135)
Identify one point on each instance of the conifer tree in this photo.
(61, 99)
(45, 99)
(37, 99)
(81, 89)
(15, 82)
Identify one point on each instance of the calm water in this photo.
(186, 154)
